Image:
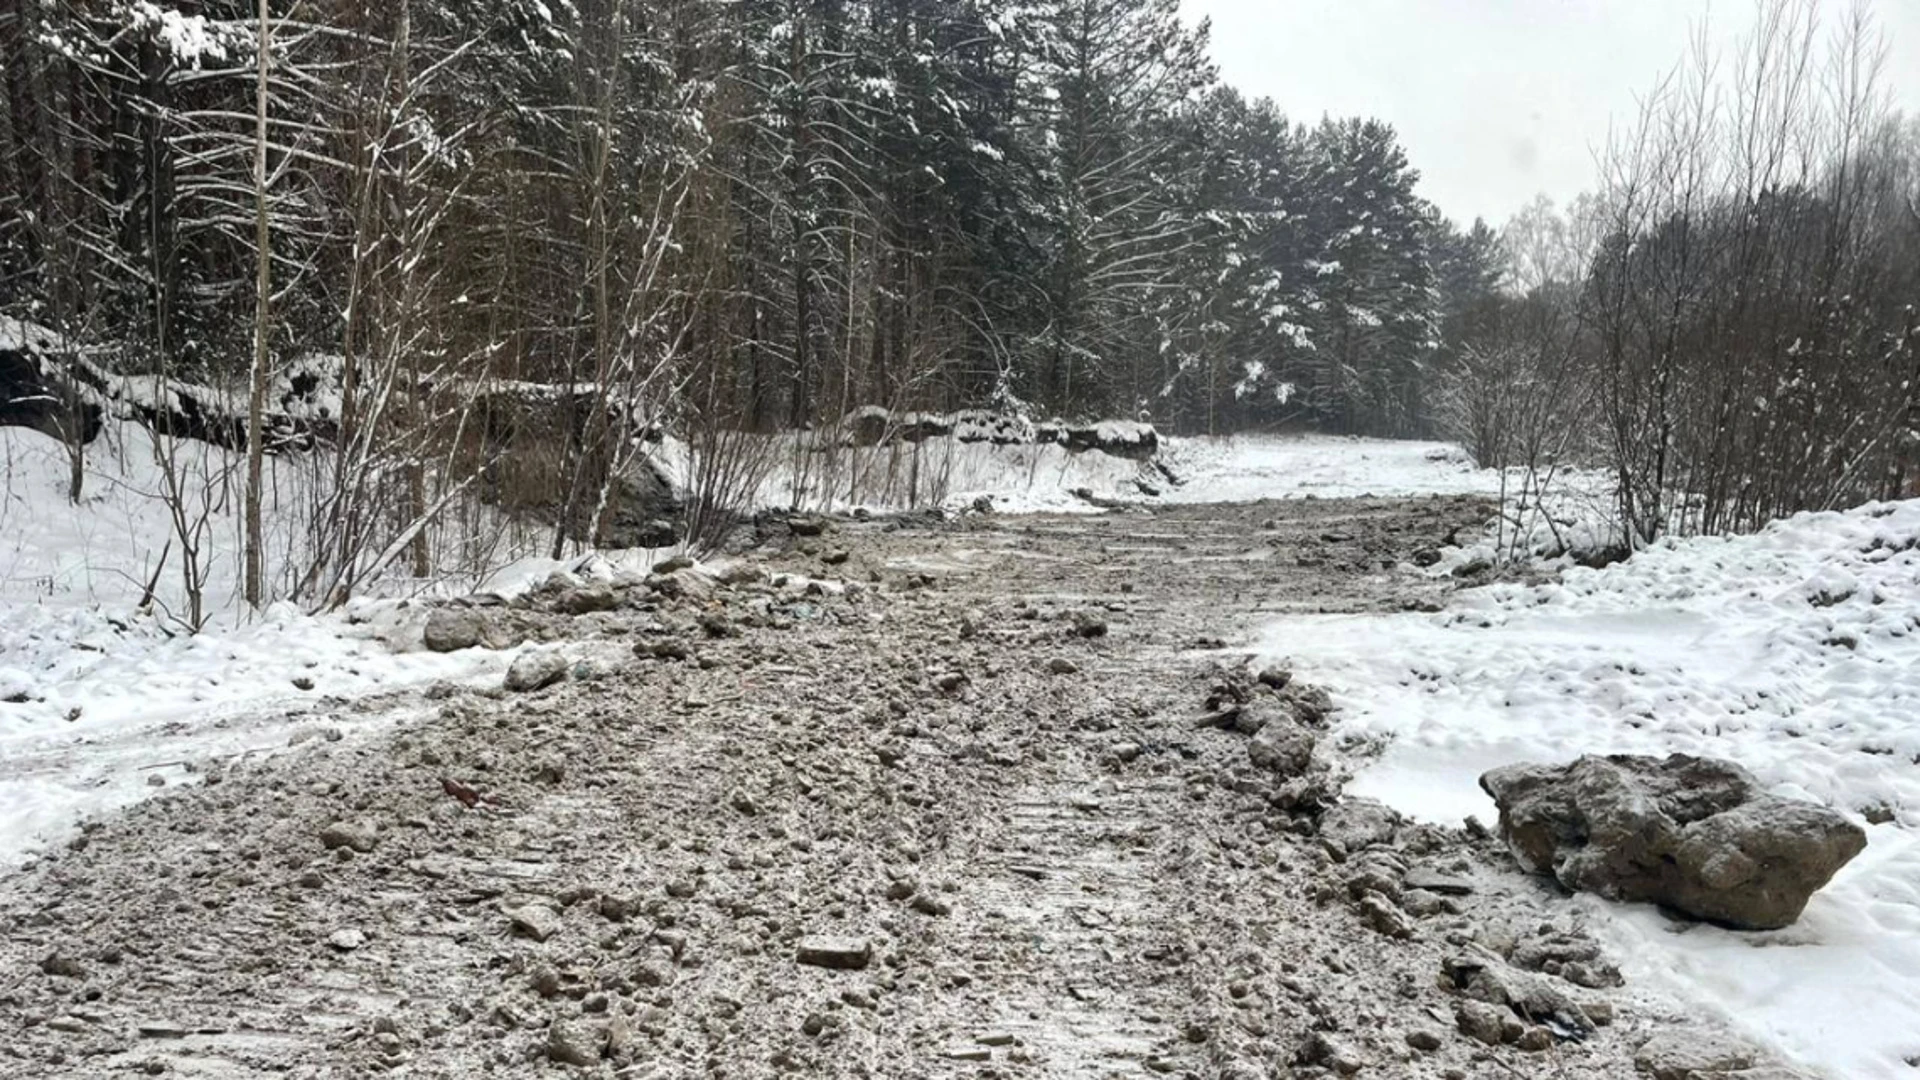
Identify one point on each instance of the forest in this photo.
(383, 227)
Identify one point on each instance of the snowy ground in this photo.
(1226, 470)
(97, 700)
(1044, 478)
(1795, 652)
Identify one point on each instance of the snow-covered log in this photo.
(873, 425)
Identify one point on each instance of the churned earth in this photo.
(991, 797)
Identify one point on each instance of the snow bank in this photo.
(1795, 652)
(1044, 476)
(96, 697)
(95, 708)
(1251, 468)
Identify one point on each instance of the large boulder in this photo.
(536, 669)
(1693, 834)
(451, 629)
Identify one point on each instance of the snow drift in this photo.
(1794, 652)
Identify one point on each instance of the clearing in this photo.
(960, 760)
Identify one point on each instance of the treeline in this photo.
(1729, 325)
(491, 247)
(759, 212)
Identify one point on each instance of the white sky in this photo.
(1495, 100)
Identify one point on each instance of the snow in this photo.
(1250, 468)
(96, 697)
(1795, 652)
(191, 38)
(807, 473)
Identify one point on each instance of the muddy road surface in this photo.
(986, 798)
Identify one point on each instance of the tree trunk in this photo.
(262, 301)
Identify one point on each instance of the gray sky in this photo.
(1495, 100)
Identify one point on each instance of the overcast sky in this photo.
(1495, 100)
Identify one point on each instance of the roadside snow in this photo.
(1228, 470)
(1250, 468)
(1795, 652)
(1044, 478)
(96, 698)
(98, 705)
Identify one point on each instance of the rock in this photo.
(673, 563)
(928, 904)
(536, 921)
(618, 906)
(1310, 704)
(161, 1029)
(587, 600)
(836, 557)
(1534, 1040)
(1379, 913)
(575, 1043)
(1489, 1024)
(1696, 835)
(1692, 1055)
(1434, 882)
(347, 940)
(653, 973)
(1089, 626)
(662, 649)
(453, 629)
(1276, 678)
(358, 836)
(62, 965)
(995, 1038)
(1060, 665)
(1485, 978)
(1282, 748)
(1575, 959)
(808, 525)
(1327, 1052)
(536, 669)
(688, 585)
(1422, 904)
(840, 953)
(1255, 716)
(1373, 879)
(1355, 824)
(1423, 1040)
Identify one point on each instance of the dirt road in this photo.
(900, 800)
